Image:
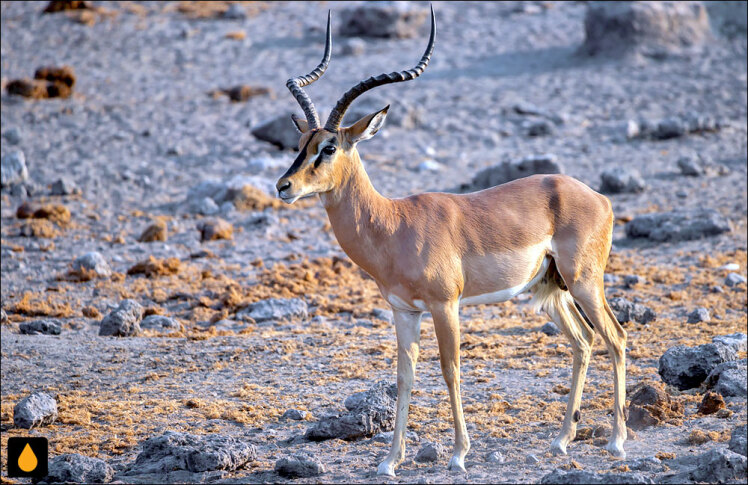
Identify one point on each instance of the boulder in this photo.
(275, 309)
(299, 465)
(628, 311)
(280, 131)
(738, 341)
(729, 379)
(13, 168)
(373, 412)
(36, 410)
(508, 171)
(36, 327)
(621, 180)
(738, 443)
(615, 29)
(75, 468)
(184, 451)
(679, 225)
(123, 321)
(430, 453)
(687, 367)
(715, 466)
(585, 477)
(383, 19)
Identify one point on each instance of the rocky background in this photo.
(165, 318)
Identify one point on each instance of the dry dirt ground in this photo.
(140, 130)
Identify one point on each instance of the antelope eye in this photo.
(328, 150)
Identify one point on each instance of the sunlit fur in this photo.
(433, 251)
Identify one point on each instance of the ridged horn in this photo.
(295, 84)
(336, 116)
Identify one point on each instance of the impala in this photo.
(434, 252)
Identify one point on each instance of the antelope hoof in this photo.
(616, 450)
(386, 469)
(457, 464)
(558, 447)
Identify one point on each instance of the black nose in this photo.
(285, 186)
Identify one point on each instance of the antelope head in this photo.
(326, 154)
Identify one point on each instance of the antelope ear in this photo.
(301, 124)
(367, 126)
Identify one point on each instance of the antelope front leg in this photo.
(447, 326)
(408, 328)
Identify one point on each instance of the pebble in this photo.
(495, 457)
(294, 414)
(92, 261)
(690, 166)
(621, 180)
(353, 46)
(430, 452)
(275, 309)
(698, 315)
(383, 19)
(550, 328)
(64, 186)
(734, 279)
(123, 321)
(12, 135)
(299, 465)
(532, 460)
(429, 166)
(161, 323)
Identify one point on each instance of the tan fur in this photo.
(429, 251)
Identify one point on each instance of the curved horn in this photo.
(295, 84)
(336, 116)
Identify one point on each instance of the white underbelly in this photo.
(507, 293)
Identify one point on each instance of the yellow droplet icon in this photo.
(27, 460)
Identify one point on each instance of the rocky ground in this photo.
(152, 167)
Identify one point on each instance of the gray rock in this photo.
(13, 168)
(532, 460)
(92, 261)
(738, 442)
(13, 135)
(36, 410)
(495, 457)
(294, 414)
(698, 315)
(550, 328)
(585, 477)
(374, 412)
(632, 280)
(687, 367)
(213, 189)
(184, 451)
(386, 436)
(734, 279)
(715, 466)
(353, 401)
(621, 180)
(508, 171)
(75, 468)
(123, 321)
(383, 19)
(161, 323)
(628, 311)
(45, 326)
(299, 465)
(647, 464)
(430, 452)
(674, 127)
(690, 167)
(235, 12)
(738, 341)
(206, 206)
(3, 317)
(611, 279)
(729, 379)
(353, 47)
(614, 29)
(382, 314)
(679, 225)
(280, 131)
(537, 128)
(64, 186)
(429, 166)
(275, 309)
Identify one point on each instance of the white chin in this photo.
(291, 200)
